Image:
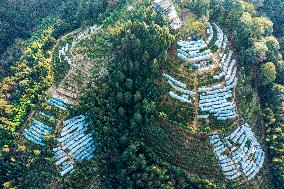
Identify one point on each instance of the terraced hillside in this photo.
(50, 118)
(200, 83)
(153, 95)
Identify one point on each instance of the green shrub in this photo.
(268, 73)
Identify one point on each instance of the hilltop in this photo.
(144, 94)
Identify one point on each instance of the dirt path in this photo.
(20, 142)
(200, 136)
(196, 100)
(238, 121)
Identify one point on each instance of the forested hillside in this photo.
(19, 18)
(141, 94)
(272, 94)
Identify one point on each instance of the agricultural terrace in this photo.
(204, 91)
(207, 123)
(73, 72)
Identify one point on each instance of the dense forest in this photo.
(142, 94)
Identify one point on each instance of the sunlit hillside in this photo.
(158, 94)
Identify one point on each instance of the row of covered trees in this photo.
(25, 67)
(260, 56)
(252, 35)
(25, 75)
